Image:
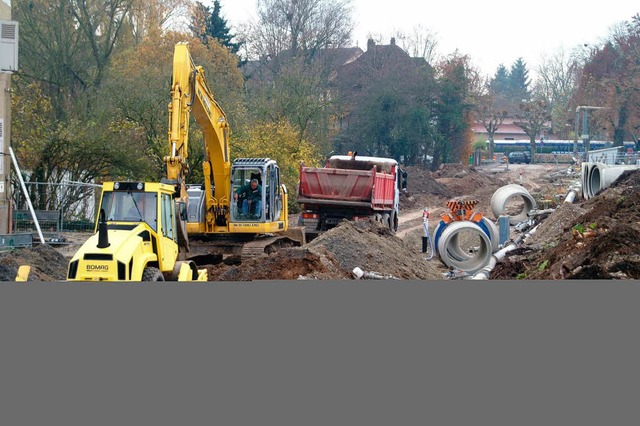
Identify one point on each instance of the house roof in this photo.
(509, 128)
(378, 61)
(335, 57)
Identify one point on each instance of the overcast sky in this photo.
(491, 32)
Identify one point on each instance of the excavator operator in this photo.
(252, 199)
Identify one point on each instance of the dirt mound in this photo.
(451, 181)
(47, 263)
(421, 181)
(333, 256)
(556, 224)
(374, 248)
(285, 264)
(597, 239)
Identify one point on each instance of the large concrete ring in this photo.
(593, 179)
(502, 195)
(453, 256)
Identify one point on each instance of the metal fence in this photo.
(58, 207)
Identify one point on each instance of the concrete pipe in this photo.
(610, 174)
(491, 231)
(571, 195)
(593, 179)
(454, 250)
(450, 250)
(485, 272)
(502, 195)
(489, 228)
(586, 166)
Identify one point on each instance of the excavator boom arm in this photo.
(191, 93)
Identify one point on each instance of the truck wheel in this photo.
(385, 220)
(152, 274)
(393, 221)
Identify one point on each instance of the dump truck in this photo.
(349, 187)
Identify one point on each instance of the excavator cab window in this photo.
(250, 205)
(273, 204)
(277, 194)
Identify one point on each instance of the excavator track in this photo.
(257, 247)
(263, 246)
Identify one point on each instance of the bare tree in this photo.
(101, 22)
(302, 27)
(557, 82)
(150, 17)
(534, 117)
(420, 42)
(491, 117)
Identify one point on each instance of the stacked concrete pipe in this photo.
(598, 176)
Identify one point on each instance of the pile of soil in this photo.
(334, 255)
(373, 248)
(47, 263)
(450, 181)
(596, 239)
(286, 264)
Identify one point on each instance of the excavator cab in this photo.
(264, 206)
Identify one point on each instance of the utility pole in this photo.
(8, 65)
(585, 128)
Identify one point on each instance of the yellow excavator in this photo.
(149, 231)
(221, 217)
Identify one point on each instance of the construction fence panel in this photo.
(59, 207)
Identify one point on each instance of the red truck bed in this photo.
(344, 186)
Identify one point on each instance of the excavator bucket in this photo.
(296, 233)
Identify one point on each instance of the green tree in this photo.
(519, 81)
(207, 22)
(454, 110)
(499, 84)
